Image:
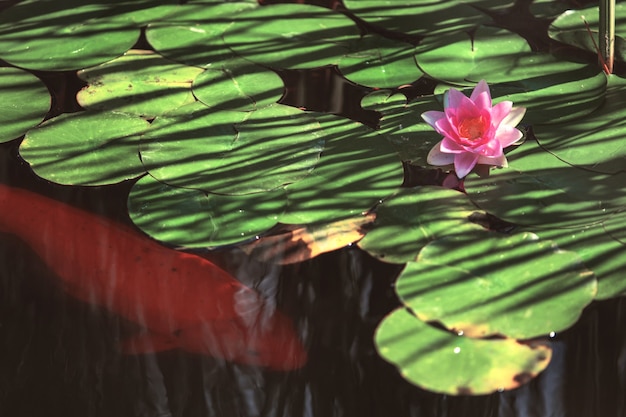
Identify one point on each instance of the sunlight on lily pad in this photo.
(357, 169)
(194, 219)
(25, 102)
(596, 142)
(238, 84)
(291, 35)
(140, 82)
(541, 190)
(193, 33)
(483, 286)
(380, 62)
(63, 35)
(232, 152)
(413, 217)
(443, 362)
(86, 148)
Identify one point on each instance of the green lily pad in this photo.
(86, 148)
(357, 169)
(25, 102)
(380, 62)
(140, 82)
(419, 17)
(413, 217)
(63, 35)
(291, 35)
(456, 57)
(238, 84)
(595, 142)
(232, 152)
(484, 286)
(442, 362)
(541, 190)
(402, 125)
(601, 247)
(194, 219)
(193, 34)
(570, 28)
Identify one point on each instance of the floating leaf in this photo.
(193, 34)
(413, 217)
(483, 286)
(380, 62)
(570, 28)
(238, 84)
(418, 17)
(232, 152)
(294, 243)
(595, 142)
(357, 169)
(25, 102)
(86, 148)
(440, 361)
(291, 35)
(541, 190)
(63, 35)
(140, 82)
(194, 219)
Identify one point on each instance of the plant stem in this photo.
(607, 34)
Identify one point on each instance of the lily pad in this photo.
(595, 142)
(419, 17)
(140, 82)
(413, 217)
(357, 169)
(483, 286)
(86, 148)
(55, 36)
(380, 62)
(456, 57)
(291, 35)
(193, 34)
(570, 28)
(541, 190)
(442, 362)
(25, 102)
(194, 219)
(238, 84)
(232, 152)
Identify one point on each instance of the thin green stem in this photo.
(607, 34)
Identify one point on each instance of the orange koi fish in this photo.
(183, 301)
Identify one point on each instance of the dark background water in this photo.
(59, 357)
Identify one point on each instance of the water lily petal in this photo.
(508, 135)
(451, 146)
(498, 161)
(454, 99)
(438, 158)
(500, 111)
(514, 117)
(464, 163)
(431, 117)
(481, 95)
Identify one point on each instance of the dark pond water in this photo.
(59, 356)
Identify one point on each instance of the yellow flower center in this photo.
(471, 129)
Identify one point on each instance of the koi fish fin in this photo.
(148, 342)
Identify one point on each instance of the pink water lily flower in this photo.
(474, 131)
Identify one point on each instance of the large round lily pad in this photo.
(140, 82)
(86, 148)
(484, 286)
(291, 35)
(25, 102)
(195, 219)
(443, 362)
(413, 217)
(228, 152)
